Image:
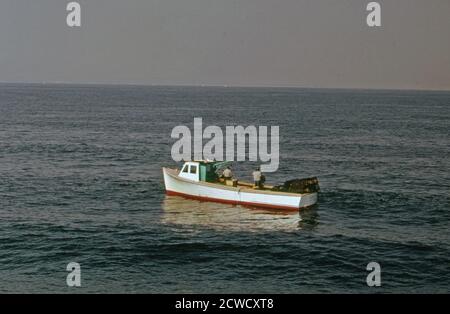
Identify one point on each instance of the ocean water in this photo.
(81, 181)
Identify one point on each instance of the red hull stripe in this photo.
(218, 200)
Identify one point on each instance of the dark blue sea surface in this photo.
(81, 181)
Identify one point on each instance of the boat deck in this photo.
(246, 185)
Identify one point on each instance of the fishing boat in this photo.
(201, 180)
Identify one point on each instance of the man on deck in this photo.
(227, 174)
(257, 175)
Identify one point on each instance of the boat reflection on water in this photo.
(192, 213)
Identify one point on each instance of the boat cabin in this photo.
(202, 170)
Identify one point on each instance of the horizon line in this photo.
(221, 85)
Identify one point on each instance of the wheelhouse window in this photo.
(185, 168)
(193, 169)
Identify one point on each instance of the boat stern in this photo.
(308, 200)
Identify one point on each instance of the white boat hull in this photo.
(235, 195)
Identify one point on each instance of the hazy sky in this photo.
(306, 43)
